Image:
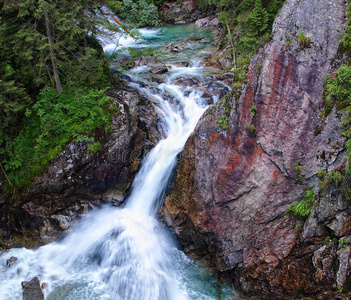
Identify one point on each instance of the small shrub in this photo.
(321, 173)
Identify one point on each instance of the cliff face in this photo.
(233, 188)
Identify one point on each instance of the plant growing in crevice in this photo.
(304, 41)
(298, 170)
(223, 122)
(302, 209)
(253, 110)
(251, 127)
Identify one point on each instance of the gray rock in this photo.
(160, 69)
(205, 22)
(32, 290)
(11, 261)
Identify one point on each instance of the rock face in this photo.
(77, 180)
(251, 157)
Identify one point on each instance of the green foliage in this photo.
(94, 147)
(140, 12)
(258, 19)
(54, 121)
(247, 25)
(253, 110)
(251, 127)
(223, 122)
(344, 242)
(303, 208)
(321, 173)
(36, 122)
(304, 41)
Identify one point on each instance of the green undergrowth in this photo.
(53, 122)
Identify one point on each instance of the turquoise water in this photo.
(194, 42)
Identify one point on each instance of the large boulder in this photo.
(243, 167)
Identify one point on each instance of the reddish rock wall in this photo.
(233, 189)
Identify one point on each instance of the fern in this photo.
(303, 208)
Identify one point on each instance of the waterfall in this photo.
(124, 253)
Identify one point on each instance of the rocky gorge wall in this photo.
(234, 185)
(78, 180)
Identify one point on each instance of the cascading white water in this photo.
(122, 253)
(128, 248)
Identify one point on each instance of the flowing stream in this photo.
(124, 253)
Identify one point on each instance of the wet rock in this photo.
(127, 63)
(149, 61)
(195, 38)
(211, 89)
(205, 22)
(32, 290)
(234, 186)
(183, 63)
(173, 48)
(158, 78)
(11, 261)
(161, 69)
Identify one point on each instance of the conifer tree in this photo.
(258, 20)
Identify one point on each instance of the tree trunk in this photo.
(52, 55)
